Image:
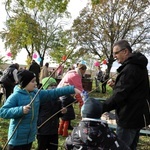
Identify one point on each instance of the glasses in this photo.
(115, 53)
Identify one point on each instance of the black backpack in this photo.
(7, 76)
(91, 135)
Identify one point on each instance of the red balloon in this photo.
(104, 61)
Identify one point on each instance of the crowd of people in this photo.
(46, 113)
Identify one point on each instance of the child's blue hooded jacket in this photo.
(13, 110)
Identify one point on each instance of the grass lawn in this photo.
(144, 142)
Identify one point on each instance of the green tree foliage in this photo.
(100, 25)
(2, 60)
(41, 5)
(34, 26)
(53, 38)
(22, 32)
(65, 46)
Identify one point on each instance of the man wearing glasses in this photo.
(130, 97)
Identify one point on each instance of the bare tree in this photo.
(100, 25)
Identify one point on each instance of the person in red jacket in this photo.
(74, 77)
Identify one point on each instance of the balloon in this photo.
(83, 62)
(97, 64)
(34, 55)
(39, 59)
(104, 61)
(9, 54)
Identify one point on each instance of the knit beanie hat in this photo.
(24, 77)
(92, 108)
(46, 82)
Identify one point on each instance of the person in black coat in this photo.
(104, 81)
(130, 98)
(68, 116)
(35, 67)
(98, 78)
(93, 133)
(47, 135)
(9, 79)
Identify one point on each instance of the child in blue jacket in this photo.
(17, 107)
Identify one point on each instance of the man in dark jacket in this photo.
(130, 96)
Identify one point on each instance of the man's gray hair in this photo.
(123, 44)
